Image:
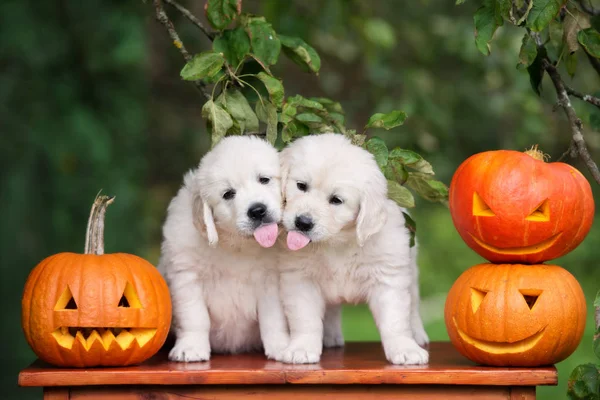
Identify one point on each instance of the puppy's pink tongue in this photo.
(296, 240)
(266, 235)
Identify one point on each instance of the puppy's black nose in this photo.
(304, 223)
(257, 211)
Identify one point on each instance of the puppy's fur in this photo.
(359, 252)
(224, 286)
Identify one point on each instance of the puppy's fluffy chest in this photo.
(347, 274)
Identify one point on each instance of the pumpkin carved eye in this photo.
(530, 296)
(480, 208)
(477, 296)
(66, 301)
(541, 212)
(130, 299)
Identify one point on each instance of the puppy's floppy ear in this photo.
(372, 215)
(204, 221)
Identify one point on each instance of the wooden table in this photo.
(358, 371)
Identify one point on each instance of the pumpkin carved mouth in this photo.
(533, 249)
(520, 346)
(124, 337)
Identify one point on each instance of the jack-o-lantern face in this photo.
(515, 315)
(92, 309)
(85, 310)
(511, 207)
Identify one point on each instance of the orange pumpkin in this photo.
(515, 315)
(512, 207)
(93, 309)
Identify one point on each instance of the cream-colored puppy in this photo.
(224, 285)
(351, 245)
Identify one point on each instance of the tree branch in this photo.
(162, 17)
(585, 97)
(588, 8)
(186, 13)
(574, 121)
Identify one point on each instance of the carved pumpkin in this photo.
(515, 315)
(94, 309)
(512, 207)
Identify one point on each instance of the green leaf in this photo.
(309, 118)
(288, 112)
(584, 382)
(203, 65)
(337, 117)
(411, 160)
(386, 121)
(590, 39)
(220, 13)
(266, 46)
(234, 44)
(236, 104)
(395, 171)
(428, 188)
(528, 52)
(401, 195)
(411, 225)
(267, 113)
(274, 87)
(571, 63)
(301, 53)
(379, 32)
(379, 149)
(217, 120)
(542, 12)
(299, 101)
(330, 105)
(487, 19)
(536, 71)
(214, 78)
(459, 2)
(293, 130)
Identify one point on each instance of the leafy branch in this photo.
(556, 31)
(574, 121)
(240, 102)
(162, 17)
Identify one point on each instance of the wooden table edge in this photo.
(47, 379)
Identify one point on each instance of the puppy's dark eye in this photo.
(264, 180)
(302, 186)
(335, 200)
(228, 195)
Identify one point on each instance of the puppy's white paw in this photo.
(275, 346)
(190, 349)
(333, 340)
(405, 351)
(301, 353)
(420, 335)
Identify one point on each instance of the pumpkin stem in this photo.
(537, 154)
(94, 238)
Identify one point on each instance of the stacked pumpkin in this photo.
(518, 212)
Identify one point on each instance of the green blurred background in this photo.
(90, 98)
